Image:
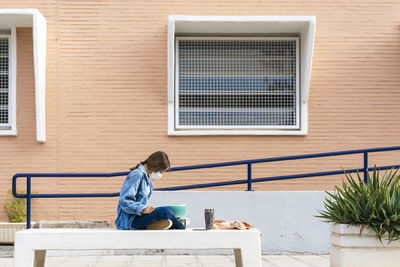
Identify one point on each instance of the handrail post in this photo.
(28, 202)
(366, 167)
(249, 177)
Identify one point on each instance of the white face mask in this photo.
(156, 175)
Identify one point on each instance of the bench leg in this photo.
(40, 258)
(26, 256)
(249, 256)
(23, 256)
(238, 257)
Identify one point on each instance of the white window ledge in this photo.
(303, 26)
(12, 18)
(235, 132)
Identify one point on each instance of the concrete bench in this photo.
(31, 245)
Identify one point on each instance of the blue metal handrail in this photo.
(247, 181)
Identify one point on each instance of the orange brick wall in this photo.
(106, 98)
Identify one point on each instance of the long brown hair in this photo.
(157, 161)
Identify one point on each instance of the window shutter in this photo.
(236, 83)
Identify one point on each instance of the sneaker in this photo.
(184, 221)
(160, 225)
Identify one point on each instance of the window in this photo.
(4, 76)
(7, 88)
(239, 75)
(237, 83)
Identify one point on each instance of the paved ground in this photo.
(6, 260)
(176, 261)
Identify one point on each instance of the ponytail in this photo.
(158, 161)
(134, 168)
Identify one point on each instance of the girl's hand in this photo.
(148, 210)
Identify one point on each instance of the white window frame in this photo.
(12, 18)
(302, 26)
(12, 85)
(235, 127)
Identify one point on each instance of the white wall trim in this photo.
(13, 18)
(39, 51)
(262, 25)
(171, 75)
(13, 81)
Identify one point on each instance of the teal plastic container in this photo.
(179, 210)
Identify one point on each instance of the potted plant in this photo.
(16, 213)
(365, 221)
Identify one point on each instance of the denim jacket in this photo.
(133, 197)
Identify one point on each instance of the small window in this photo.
(5, 92)
(237, 83)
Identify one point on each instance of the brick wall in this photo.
(106, 98)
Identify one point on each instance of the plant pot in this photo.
(7, 231)
(350, 249)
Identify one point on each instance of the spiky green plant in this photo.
(375, 204)
(15, 208)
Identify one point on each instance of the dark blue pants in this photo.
(161, 213)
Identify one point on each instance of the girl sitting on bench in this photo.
(133, 212)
